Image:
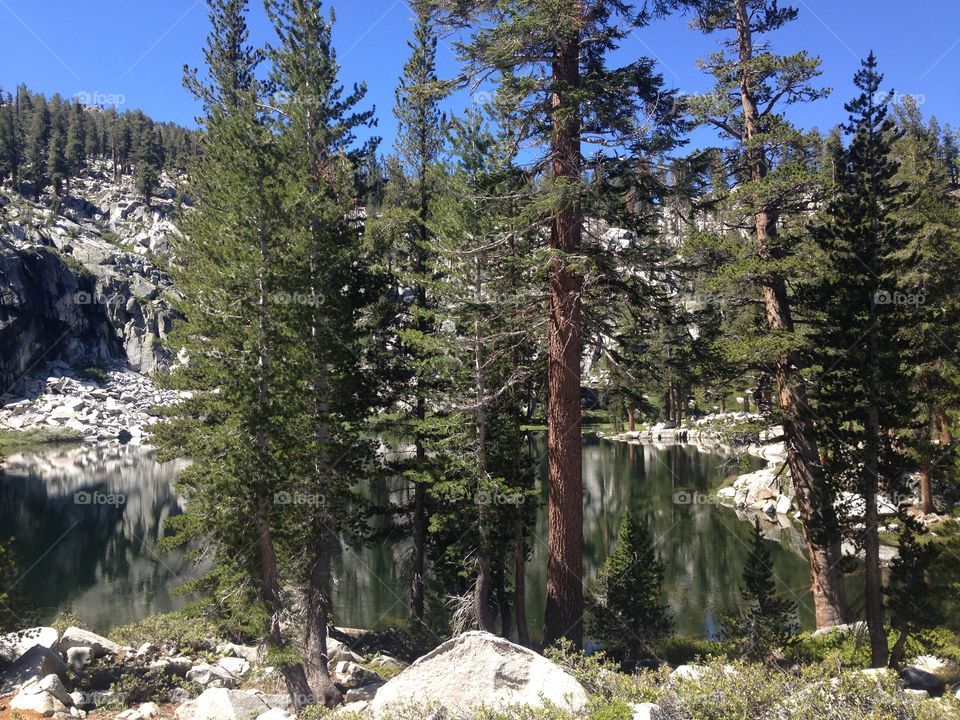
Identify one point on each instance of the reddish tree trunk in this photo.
(926, 492)
(563, 614)
(814, 502)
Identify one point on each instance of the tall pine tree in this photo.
(862, 306)
(551, 60)
(769, 182)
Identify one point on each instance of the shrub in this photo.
(678, 650)
(602, 677)
(188, 629)
(67, 618)
(94, 372)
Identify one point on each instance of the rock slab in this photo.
(479, 669)
(223, 704)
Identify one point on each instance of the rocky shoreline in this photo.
(115, 405)
(766, 493)
(78, 674)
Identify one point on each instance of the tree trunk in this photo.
(926, 493)
(294, 675)
(418, 552)
(563, 614)
(814, 501)
(946, 436)
(631, 418)
(419, 542)
(896, 653)
(315, 624)
(483, 586)
(821, 528)
(503, 601)
(519, 578)
(870, 483)
(270, 590)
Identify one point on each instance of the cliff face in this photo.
(84, 284)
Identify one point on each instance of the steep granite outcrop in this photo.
(84, 283)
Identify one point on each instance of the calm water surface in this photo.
(81, 549)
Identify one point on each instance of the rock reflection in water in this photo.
(87, 521)
(101, 560)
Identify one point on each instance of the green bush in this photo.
(610, 710)
(153, 684)
(601, 676)
(67, 618)
(188, 629)
(679, 650)
(94, 372)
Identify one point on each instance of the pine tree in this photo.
(149, 160)
(10, 145)
(627, 612)
(912, 605)
(75, 151)
(767, 624)
(229, 58)
(237, 425)
(862, 394)
(770, 180)
(927, 262)
(57, 168)
(405, 226)
(16, 612)
(551, 61)
(488, 330)
(315, 122)
(36, 153)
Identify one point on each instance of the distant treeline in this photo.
(44, 143)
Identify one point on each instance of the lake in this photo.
(88, 520)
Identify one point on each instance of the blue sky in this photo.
(133, 50)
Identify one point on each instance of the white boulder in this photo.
(479, 669)
(648, 711)
(211, 676)
(236, 666)
(45, 696)
(77, 637)
(223, 704)
(15, 644)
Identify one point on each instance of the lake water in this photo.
(81, 548)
